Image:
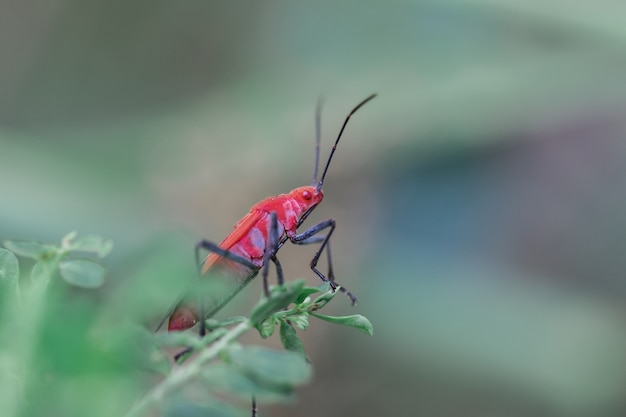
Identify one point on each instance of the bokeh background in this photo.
(480, 198)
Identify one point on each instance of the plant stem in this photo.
(188, 371)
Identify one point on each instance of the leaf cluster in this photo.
(215, 372)
(68, 257)
(24, 306)
(223, 367)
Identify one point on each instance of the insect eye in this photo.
(306, 195)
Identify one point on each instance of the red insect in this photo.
(257, 238)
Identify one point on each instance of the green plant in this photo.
(111, 363)
(25, 304)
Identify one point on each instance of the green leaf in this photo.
(289, 339)
(280, 297)
(82, 273)
(27, 249)
(9, 272)
(307, 291)
(67, 239)
(92, 243)
(228, 379)
(266, 327)
(323, 299)
(271, 366)
(357, 321)
(301, 321)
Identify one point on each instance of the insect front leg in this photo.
(308, 237)
(318, 239)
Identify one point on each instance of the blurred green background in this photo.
(479, 198)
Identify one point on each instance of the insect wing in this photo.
(222, 272)
(241, 231)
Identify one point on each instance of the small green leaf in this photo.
(323, 299)
(9, 272)
(67, 239)
(92, 243)
(228, 379)
(307, 291)
(266, 327)
(280, 297)
(271, 366)
(289, 339)
(82, 273)
(33, 250)
(357, 321)
(301, 321)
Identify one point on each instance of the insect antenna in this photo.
(318, 136)
(332, 152)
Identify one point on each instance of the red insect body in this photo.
(249, 240)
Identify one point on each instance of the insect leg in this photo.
(331, 274)
(317, 239)
(270, 253)
(212, 247)
(308, 237)
(279, 270)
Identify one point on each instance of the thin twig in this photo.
(190, 370)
